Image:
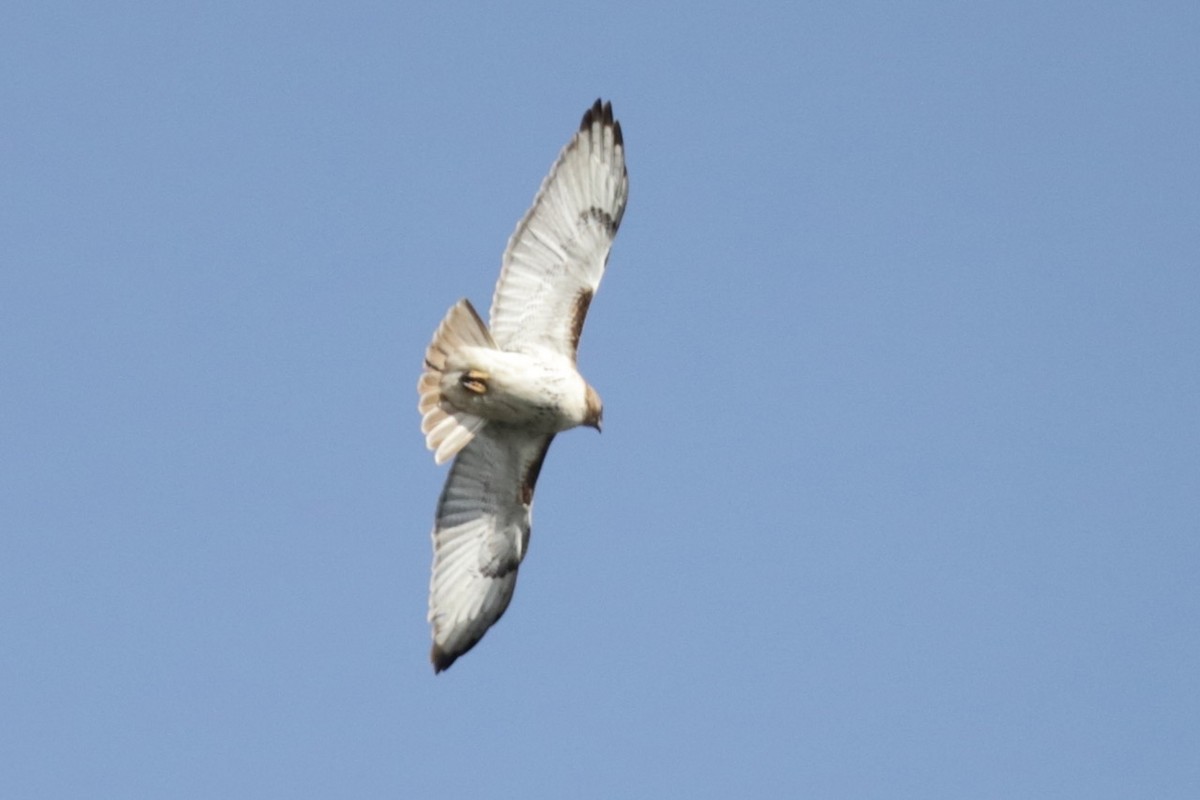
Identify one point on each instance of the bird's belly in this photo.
(518, 389)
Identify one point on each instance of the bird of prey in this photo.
(493, 396)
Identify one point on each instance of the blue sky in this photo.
(898, 493)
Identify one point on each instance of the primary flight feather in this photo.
(492, 396)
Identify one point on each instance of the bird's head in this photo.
(594, 417)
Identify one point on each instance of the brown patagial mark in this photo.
(531, 474)
(578, 314)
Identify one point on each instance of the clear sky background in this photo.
(898, 493)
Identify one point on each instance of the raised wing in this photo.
(480, 536)
(556, 256)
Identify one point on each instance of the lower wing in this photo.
(480, 536)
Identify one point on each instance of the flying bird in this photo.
(493, 396)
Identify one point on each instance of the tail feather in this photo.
(448, 429)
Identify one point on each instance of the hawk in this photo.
(493, 396)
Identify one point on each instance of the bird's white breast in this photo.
(542, 391)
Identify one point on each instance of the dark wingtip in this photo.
(441, 659)
(602, 112)
(595, 112)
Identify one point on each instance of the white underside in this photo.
(543, 393)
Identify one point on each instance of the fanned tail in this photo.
(448, 429)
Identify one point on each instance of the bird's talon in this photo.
(474, 381)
